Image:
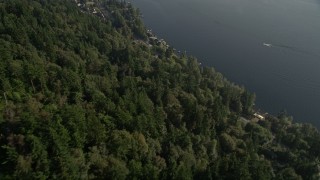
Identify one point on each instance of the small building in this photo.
(90, 3)
(153, 38)
(259, 116)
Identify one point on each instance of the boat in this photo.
(266, 44)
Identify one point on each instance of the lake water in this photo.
(230, 35)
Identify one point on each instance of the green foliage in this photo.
(90, 96)
(227, 143)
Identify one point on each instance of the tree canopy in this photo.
(87, 93)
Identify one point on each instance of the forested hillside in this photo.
(87, 93)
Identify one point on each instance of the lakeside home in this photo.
(259, 116)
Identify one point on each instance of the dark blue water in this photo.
(229, 35)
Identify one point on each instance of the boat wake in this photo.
(292, 49)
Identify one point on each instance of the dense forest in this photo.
(86, 92)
